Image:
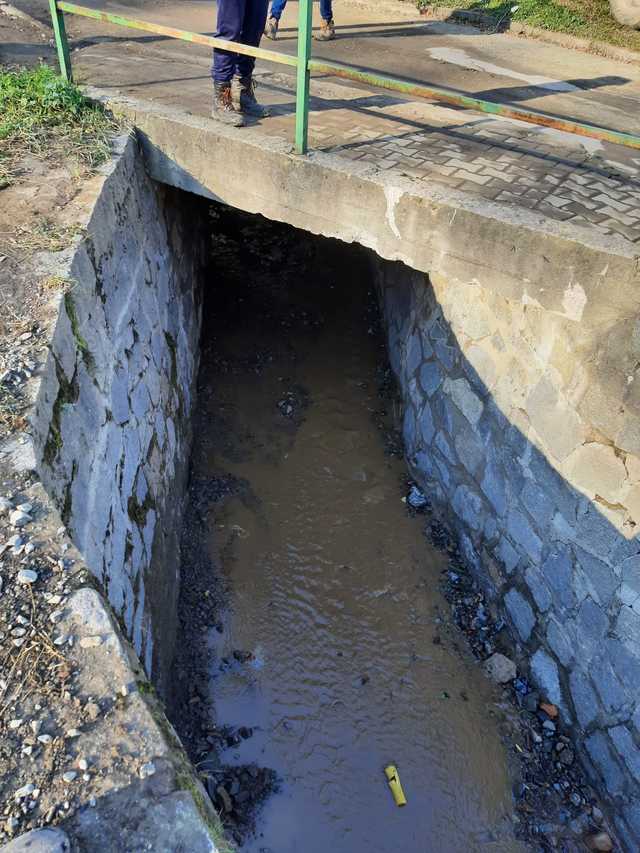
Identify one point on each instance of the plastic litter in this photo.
(394, 783)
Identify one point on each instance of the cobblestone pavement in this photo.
(559, 176)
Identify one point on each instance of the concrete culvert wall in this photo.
(112, 420)
(520, 424)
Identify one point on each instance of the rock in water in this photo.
(500, 668)
(601, 841)
(416, 498)
(626, 12)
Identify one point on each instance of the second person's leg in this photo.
(277, 8)
(327, 28)
(255, 17)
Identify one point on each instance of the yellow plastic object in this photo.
(394, 783)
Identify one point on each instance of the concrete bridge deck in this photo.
(553, 175)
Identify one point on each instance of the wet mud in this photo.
(311, 607)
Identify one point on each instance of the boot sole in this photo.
(256, 114)
(228, 122)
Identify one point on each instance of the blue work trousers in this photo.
(326, 12)
(242, 21)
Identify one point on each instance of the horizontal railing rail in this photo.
(458, 99)
(305, 64)
(172, 32)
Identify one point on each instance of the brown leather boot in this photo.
(248, 103)
(271, 29)
(327, 31)
(223, 109)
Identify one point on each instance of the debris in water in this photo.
(417, 499)
(394, 783)
(601, 841)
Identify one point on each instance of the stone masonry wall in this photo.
(521, 424)
(112, 418)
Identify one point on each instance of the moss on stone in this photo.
(138, 511)
(185, 780)
(67, 395)
(75, 330)
(174, 359)
(65, 512)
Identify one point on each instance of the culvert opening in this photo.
(330, 659)
(313, 645)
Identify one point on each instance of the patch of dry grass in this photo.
(43, 114)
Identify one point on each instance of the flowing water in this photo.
(333, 587)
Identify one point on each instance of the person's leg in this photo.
(228, 26)
(255, 18)
(326, 10)
(327, 30)
(271, 29)
(277, 8)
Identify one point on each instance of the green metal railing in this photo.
(305, 64)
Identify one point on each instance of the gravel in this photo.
(556, 808)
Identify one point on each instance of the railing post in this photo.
(303, 74)
(62, 45)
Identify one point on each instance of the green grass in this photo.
(42, 114)
(589, 19)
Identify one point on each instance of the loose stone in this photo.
(91, 642)
(27, 576)
(147, 769)
(19, 518)
(567, 757)
(500, 668)
(417, 499)
(25, 791)
(600, 842)
(92, 710)
(69, 776)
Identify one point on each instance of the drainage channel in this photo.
(314, 646)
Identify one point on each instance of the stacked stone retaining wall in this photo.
(112, 417)
(521, 424)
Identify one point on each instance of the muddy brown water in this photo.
(333, 587)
